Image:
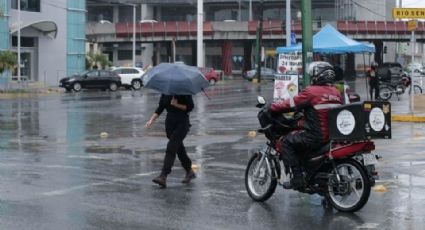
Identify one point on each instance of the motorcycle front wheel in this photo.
(260, 180)
(352, 191)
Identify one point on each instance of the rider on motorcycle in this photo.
(315, 102)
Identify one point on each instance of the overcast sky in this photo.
(414, 3)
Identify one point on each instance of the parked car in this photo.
(266, 74)
(131, 77)
(210, 74)
(395, 70)
(91, 79)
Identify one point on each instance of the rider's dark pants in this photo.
(297, 142)
(176, 130)
(374, 86)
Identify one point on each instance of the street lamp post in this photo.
(134, 35)
(19, 41)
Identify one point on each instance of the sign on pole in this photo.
(409, 13)
(412, 25)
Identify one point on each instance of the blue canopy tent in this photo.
(330, 41)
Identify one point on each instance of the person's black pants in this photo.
(374, 87)
(297, 142)
(176, 130)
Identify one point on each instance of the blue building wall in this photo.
(4, 25)
(76, 34)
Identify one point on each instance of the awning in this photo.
(48, 28)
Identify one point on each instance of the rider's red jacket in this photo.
(315, 101)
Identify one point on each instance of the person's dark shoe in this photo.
(297, 182)
(161, 181)
(189, 176)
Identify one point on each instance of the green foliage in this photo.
(97, 61)
(8, 61)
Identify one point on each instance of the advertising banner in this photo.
(285, 86)
(289, 63)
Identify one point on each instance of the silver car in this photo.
(266, 74)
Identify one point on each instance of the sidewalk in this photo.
(26, 89)
(400, 109)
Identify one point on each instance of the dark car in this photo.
(266, 74)
(389, 70)
(210, 74)
(91, 79)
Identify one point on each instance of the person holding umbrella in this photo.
(177, 83)
(176, 127)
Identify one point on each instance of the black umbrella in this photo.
(175, 79)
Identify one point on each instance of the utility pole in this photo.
(19, 41)
(134, 35)
(307, 31)
(259, 41)
(200, 35)
(288, 23)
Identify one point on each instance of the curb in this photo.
(408, 118)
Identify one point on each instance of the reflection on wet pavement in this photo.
(56, 171)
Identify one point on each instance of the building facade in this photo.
(52, 37)
(229, 26)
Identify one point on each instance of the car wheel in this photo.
(212, 81)
(76, 87)
(113, 86)
(136, 84)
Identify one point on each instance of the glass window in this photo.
(92, 73)
(104, 73)
(27, 5)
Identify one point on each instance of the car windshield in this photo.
(84, 72)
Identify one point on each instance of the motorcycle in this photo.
(343, 173)
(397, 87)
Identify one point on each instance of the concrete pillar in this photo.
(115, 14)
(115, 57)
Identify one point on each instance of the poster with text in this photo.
(290, 63)
(285, 86)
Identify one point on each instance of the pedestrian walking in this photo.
(177, 126)
(373, 80)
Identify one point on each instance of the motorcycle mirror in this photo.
(261, 100)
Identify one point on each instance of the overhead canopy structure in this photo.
(48, 28)
(331, 41)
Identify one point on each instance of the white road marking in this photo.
(79, 187)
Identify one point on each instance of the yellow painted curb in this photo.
(408, 118)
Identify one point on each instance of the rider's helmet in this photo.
(321, 73)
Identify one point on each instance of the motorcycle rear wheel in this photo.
(385, 92)
(355, 182)
(260, 187)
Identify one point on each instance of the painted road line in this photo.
(80, 187)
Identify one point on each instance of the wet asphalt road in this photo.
(56, 172)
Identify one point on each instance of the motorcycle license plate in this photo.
(369, 159)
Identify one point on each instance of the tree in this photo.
(97, 60)
(8, 61)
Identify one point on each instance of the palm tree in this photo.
(96, 60)
(8, 61)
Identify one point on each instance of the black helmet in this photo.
(321, 73)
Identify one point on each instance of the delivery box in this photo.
(360, 121)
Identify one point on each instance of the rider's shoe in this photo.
(297, 182)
